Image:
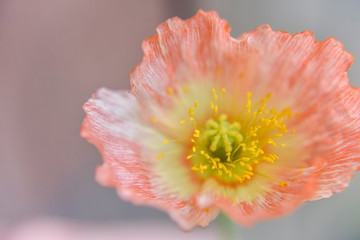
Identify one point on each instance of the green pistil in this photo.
(222, 134)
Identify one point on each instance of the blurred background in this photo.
(53, 57)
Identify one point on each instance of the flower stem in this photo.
(227, 228)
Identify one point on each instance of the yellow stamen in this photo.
(195, 169)
(231, 150)
(239, 178)
(271, 141)
(248, 105)
(215, 95)
(249, 167)
(191, 111)
(283, 184)
(228, 156)
(170, 91)
(249, 173)
(202, 168)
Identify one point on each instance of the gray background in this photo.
(55, 54)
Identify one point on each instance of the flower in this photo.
(252, 126)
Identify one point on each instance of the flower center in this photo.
(229, 147)
(231, 150)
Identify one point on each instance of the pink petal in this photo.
(114, 125)
(176, 55)
(274, 203)
(311, 78)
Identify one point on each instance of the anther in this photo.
(215, 95)
(191, 111)
(249, 167)
(271, 141)
(239, 178)
(283, 184)
(228, 156)
(197, 133)
(170, 91)
(195, 169)
(248, 173)
(248, 105)
(202, 168)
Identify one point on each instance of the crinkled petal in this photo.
(185, 51)
(274, 203)
(115, 126)
(310, 77)
(341, 149)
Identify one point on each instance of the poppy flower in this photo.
(252, 126)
